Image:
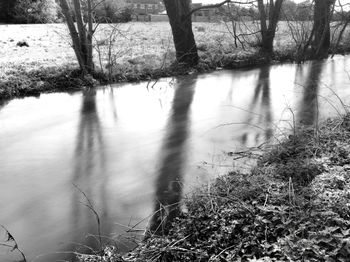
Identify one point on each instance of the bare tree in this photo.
(271, 13)
(179, 13)
(81, 34)
(342, 24)
(239, 30)
(301, 28)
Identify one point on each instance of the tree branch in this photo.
(219, 5)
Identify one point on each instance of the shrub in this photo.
(112, 14)
(125, 15)
(40, 11)
(7, 7)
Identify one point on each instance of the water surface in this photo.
(133, 148)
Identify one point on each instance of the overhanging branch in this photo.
(219, 5)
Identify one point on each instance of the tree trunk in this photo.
(322, 35)
(90, 33)
(268, 32)
(73, 33)
(81, 29)
(81, 38)
(262, 16)
(181, 26)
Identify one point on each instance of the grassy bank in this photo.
(26, 80)
(293, 206)
(139, 51)
(20, 81)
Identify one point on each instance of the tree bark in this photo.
(90, 33)
(81, 29)
(73, 33)
(268, 32)
(322, 35)
(262, 16)
(181, 26)
(81, 38)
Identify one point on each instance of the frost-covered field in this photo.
(135, 43)
(134, 46)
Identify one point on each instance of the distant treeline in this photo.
(28, 11)
(116, 11)
(48, 11)
(291, 11)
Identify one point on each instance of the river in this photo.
(130, 148)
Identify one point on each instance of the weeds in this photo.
(293, 206)
(140, 55)
(11, 243)
(19, 81)
(281, 211)
(90, 206)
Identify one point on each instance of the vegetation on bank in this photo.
(137, 51)
(237, 40)
(20, 82)
(48, 11)
(25, 80)
(293, 206)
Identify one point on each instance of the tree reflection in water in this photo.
(260, 115)
(3, 103)
(169, 180)
(89, 172)
(308, 108)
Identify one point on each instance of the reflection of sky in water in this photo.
(39, 141)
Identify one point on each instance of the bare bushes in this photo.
(107, 49)
(242, 28)
(301, 32)
(340, 29)
(26, 11)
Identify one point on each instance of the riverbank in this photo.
(140, 51)
(21, 81)
(293, 206)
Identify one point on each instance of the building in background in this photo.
(207, 14)
(146, 7)
(154, 10)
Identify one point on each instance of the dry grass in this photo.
(139, 51)
(266, 216)
(136, 43)
(49, 44)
